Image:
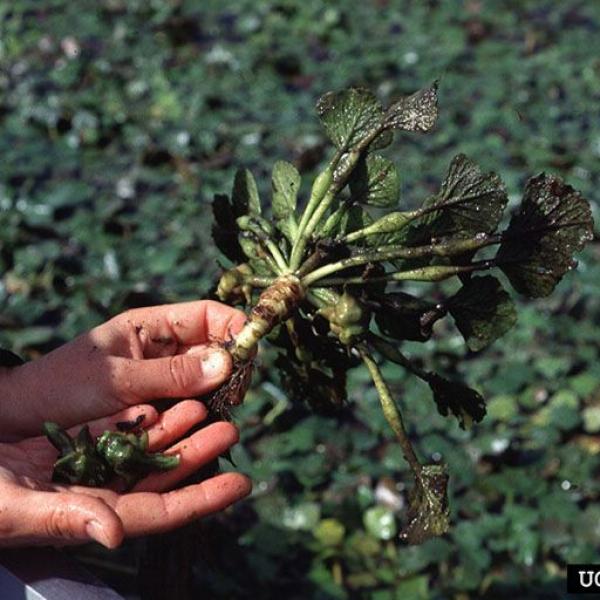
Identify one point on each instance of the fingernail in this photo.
(97, 532)
(215, 364)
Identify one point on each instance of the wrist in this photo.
(13, 395)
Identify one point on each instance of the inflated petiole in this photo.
(428, 514)
(395, 252)
(434, 273)
(391, 412)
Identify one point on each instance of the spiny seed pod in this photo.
(83, 461)
(127, 455)
(347, 318)
(78, 462)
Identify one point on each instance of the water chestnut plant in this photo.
(322, 279)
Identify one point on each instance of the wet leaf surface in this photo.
(483, 311)
(553, 223)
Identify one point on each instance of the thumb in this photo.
(64, 518)
(191, 374)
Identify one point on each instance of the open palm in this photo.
(34, 510)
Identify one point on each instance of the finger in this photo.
(98, 426)
(181, 375)
(146, 513)
(160, 330)
(194, 452)
(174, 423)
(61, 518)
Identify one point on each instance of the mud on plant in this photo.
(322, 282)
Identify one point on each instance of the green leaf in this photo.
(323, 393)
(349, 116)
(10, 359)
(245, 194)
(416, 588)
(470, 201)
(249, 240)
(285, 182)
(229, 238)
(428, 514)
(257, 225)
(553, 223)
(375, 181)
(380, 522)
(330, 532)
(405, 317)
(483, 311)
(417, 112)
(464, 403)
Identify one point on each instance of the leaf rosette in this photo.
(323, 276)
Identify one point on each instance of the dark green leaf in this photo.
(417, 112)
(553, 223)
(245, 194)
(375, 181)
(350, 115)
(9, 359)
(470, 201)
(225, 229)
(483, 311)
(464, 403)
(405, 317)
(285, 183)
(323, 393)
(428, 514)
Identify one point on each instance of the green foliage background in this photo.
(119, 119)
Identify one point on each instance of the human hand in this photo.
(169, 351)
(33, 510)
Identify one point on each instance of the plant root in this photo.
(231, 392)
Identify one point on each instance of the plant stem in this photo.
(435, 273)
(339, 170)
(320, 187)
(391, 412)
(407, 217)
(390, 223)
(311, 263)
(271, 253)
(259, 282)
(275, 305)
(277, 256)
(386, 253)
